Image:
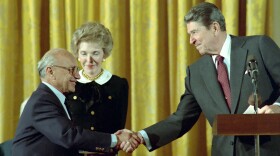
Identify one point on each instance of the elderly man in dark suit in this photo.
(45, 126)
(206, 91)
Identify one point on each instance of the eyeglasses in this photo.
(72, 70)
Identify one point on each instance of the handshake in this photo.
(128, 140)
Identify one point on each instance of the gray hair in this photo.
(206, 13)
(92, 32)
(48, 59)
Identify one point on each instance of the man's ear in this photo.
(49, 70)
(216, 26)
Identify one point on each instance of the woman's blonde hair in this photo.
(92, 32)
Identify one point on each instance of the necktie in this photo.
(223, 79)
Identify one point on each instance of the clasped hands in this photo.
(128, 140)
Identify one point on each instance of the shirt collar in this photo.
(59, 95)
(105, 77)
(225, 51)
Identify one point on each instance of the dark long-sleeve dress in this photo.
(99, 105)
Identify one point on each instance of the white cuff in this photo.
(146, 139)
(114, 140)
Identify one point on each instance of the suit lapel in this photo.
(209, 74)
(57, 102)
(237, 69)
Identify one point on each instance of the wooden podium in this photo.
(247, 124)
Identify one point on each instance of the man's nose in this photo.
(77, 75)
(192, 40)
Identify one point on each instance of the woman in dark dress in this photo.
(100, 100)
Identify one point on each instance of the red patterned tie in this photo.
(223, 79)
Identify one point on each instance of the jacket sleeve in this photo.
(178, 123)
(50, 119)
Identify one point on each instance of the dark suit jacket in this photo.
(203, 94)
(44, 129)
(6, 148)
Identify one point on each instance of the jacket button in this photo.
(75, 97)
(92, 113)
(92, 128)
(110, 97)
